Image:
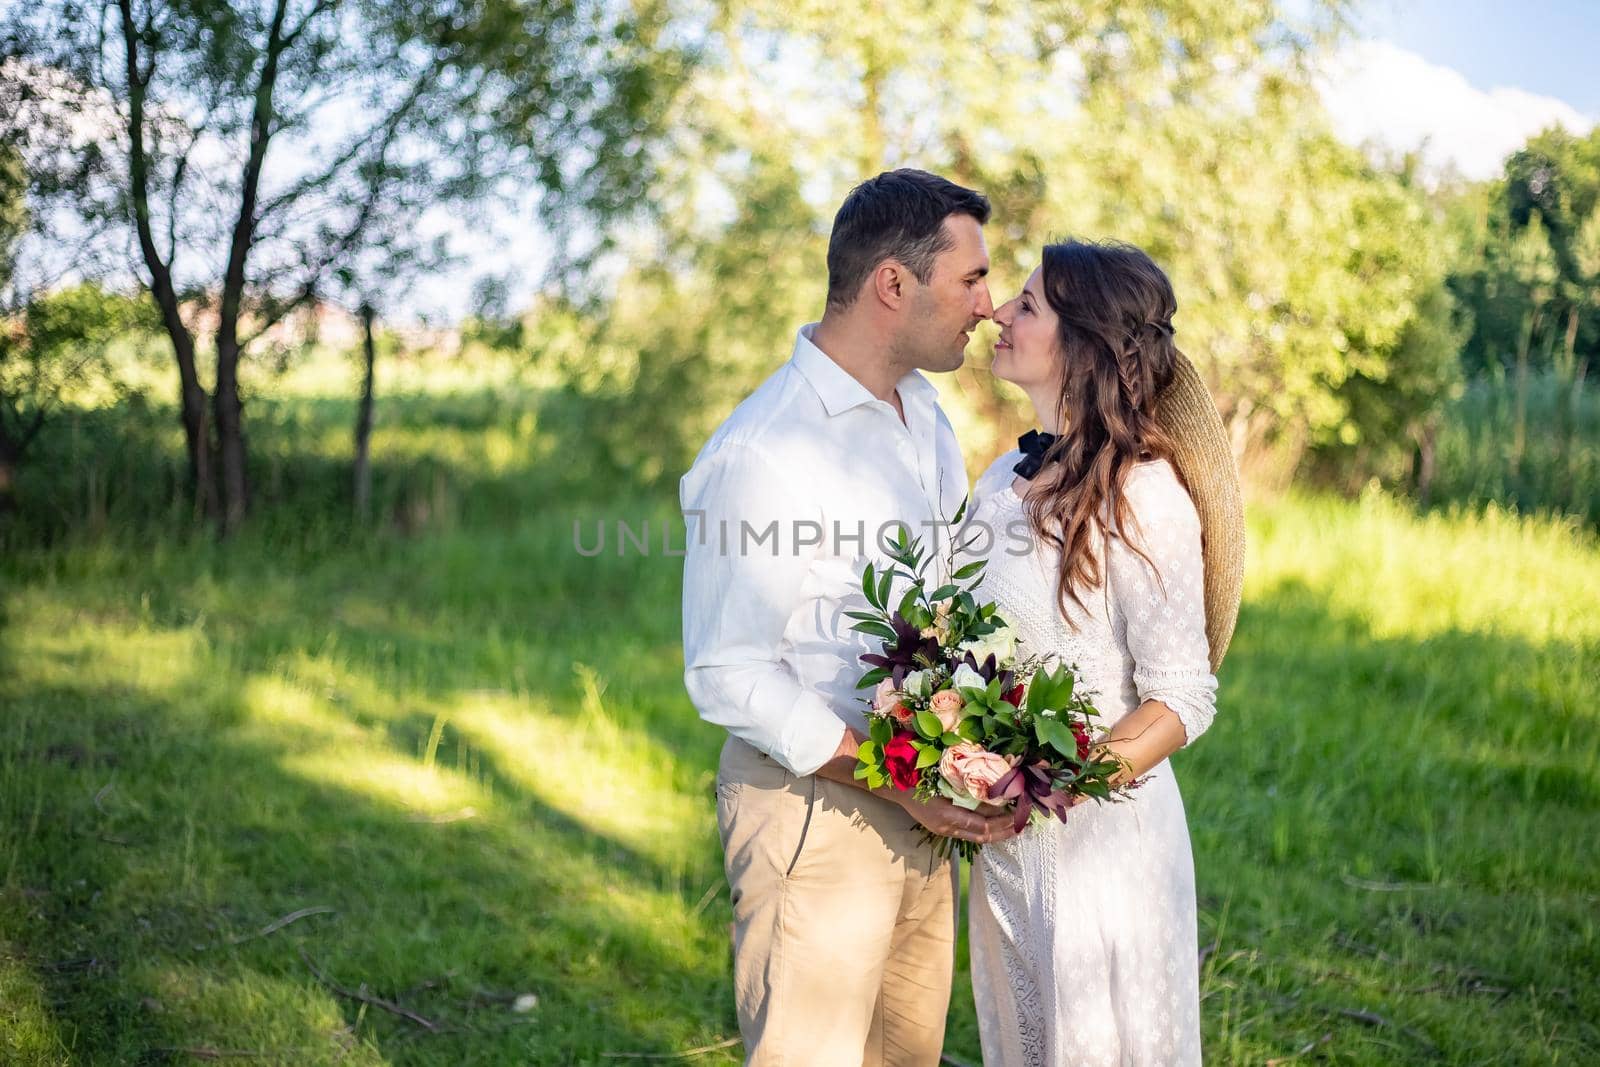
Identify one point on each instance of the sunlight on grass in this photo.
(28, 1033)
(254, 1011)
(585, 765)
(1530, 577)
(389, 778)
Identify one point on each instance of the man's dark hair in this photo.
(898, 215)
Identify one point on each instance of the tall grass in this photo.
(461, 754)
(1559, 467)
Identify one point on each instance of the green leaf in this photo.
(880, 731)
(1037, 691)
(875, 628)
(928, 725)
(969, 570)
(944, 592)
(974, 695)
(927, 757)
(868, 752)
(1057, 737)
(872, 677)
(885, 580)
(869, 587)
(864, 616)
(909, 601)
(970, 729)
(950, 738)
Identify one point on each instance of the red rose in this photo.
(1013, 696)
(1080, 733)
(901, 758)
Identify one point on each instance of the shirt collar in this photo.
(838, 388)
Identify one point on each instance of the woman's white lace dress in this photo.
(1084, 945)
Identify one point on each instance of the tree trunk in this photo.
(230, 439)
(363, 465)
(1423, 461)
(193, 398)
(229, 411)
(10, 456)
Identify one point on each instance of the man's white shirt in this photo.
(784, 507)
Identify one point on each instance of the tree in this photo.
(50, 346)
(252, 149)
(1553, 182)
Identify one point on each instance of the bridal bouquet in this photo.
(956, 714)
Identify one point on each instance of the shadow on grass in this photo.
(123, 899)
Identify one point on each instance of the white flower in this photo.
(1002, 644)
(917, 684)
(967, 678)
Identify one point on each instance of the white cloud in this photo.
(1381, 93)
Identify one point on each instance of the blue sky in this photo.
(1549, 47)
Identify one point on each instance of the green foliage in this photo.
(59, 348)
(1530, 277)
(13, 208)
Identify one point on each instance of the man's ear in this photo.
(891, 283)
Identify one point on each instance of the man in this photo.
(843, 918)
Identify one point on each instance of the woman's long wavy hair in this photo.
(1115, 308)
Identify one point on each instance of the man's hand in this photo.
(939, 815)
(942, 817)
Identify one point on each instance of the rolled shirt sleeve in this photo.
(745, 567)
(1163, 600)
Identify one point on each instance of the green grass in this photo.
(472, 745)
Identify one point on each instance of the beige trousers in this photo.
(843, 921)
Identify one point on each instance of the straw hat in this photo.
(1203, 456)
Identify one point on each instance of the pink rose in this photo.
(947, 704)
(901, 714)
(885, 697)
(972, 769)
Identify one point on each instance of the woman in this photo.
(1084, 947)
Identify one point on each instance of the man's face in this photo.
(942, 313)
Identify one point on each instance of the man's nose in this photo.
(985, 302)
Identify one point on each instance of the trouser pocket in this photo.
(764, 815)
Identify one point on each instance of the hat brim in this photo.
(1203, 456)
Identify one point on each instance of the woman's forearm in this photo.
(1143, 738)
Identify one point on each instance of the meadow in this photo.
(429, 791)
